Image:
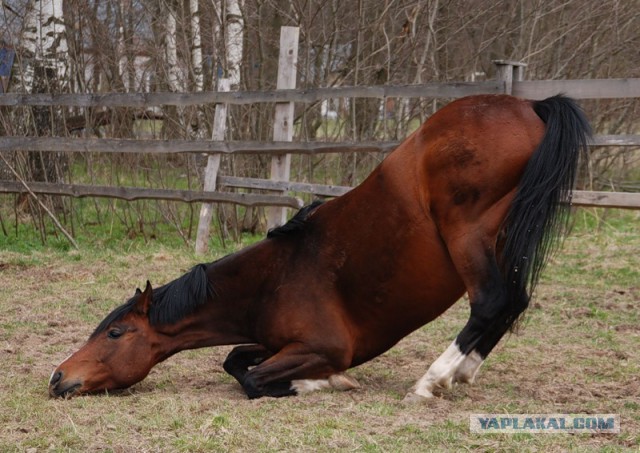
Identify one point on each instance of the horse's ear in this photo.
(145, 299)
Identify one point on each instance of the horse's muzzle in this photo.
(58, 388)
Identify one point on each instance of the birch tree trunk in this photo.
(43, 41)
(231, 26)
(124, 79)
(173, 118)
(44, 48)
(196, 46)
(126, 59)
(196, 63)
(234, 31)
(44, 51)
(174, 76)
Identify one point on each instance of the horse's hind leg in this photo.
(461, 360)
(492, 314)
(493, 309)
(466, 372)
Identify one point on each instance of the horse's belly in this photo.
(382, 328)
(415, 287)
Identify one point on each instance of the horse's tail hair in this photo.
(539, 215)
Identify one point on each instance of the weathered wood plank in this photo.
(616, 140)
(143, 100)
(81, 145)
(508, 72)
(606, 199)
(283, 117)
(211, 173)
(579, 89)
(580, 198)
(532, 89)
(135, 193)
(290, 186)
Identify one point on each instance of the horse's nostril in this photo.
(56, 377)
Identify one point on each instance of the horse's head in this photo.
(120, 352)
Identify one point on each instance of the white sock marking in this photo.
(441, 372)
(467, 370)
(338, 381)
(309, 385)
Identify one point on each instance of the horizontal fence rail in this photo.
(531, 89)
(579, 89)
(427, 90)
(114, 145)
(579, 198)
(620, 200)
(289, 186)
(136, 193)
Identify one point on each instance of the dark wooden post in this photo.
(508, 72)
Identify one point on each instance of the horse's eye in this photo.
(114, 333)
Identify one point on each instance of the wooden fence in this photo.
(581, 89)
(509, 81)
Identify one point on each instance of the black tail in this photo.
(539, 214)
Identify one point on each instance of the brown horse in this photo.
(470, 202)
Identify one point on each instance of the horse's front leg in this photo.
(241, 358)
(294, 370)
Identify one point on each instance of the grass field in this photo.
(578, 351)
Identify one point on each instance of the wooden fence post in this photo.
(211, 172)
(508, 72)
(283, 121)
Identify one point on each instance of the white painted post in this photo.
(283, 121)
(509, 71)
(211, 172)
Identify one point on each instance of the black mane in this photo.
(296, 223)
(171, 302)
(179, 298)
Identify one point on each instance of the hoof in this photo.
(343, 382)
(414, 399)
(463, 379)
(445, 384)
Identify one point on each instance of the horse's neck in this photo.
(237, 281)
(242, 275)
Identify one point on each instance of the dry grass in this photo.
(579, 351)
